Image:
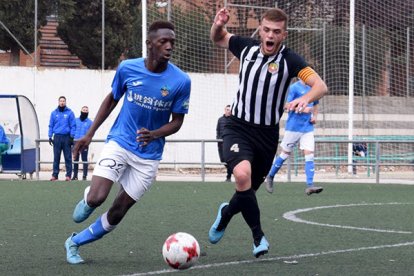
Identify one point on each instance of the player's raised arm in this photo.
(218, 34)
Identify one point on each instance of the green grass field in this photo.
(365, 229)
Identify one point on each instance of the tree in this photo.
(18, 17)
(81, 30)
(192, 28)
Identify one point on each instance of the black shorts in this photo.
(258, 145)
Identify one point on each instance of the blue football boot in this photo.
(72, 251)
(213, 235)
(262, 248)
(82, 210)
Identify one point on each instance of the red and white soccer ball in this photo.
(180, 250)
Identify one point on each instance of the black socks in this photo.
(246, 203)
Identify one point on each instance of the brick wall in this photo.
(5, 59)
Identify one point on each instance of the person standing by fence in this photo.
(83, 123)
(61, 132)
(221, 123)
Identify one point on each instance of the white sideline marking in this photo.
(291, 215)
(299, 256)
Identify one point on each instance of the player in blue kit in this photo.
(299, 128)
(154, 90)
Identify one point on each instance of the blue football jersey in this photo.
(149, 100)
(299, 122)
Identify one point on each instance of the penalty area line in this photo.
(291, 215)
(271, 259)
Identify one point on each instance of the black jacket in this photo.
(222, 121)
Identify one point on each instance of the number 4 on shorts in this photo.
(235, 148)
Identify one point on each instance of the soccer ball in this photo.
(180, 250)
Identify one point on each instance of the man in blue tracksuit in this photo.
(61, 132)
(83, 123)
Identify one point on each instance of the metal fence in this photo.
(377, 157)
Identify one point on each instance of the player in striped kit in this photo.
(251, 136)
(299, 128)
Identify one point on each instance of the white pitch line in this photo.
(291, 215)
(299, 256)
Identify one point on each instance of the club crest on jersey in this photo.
(273, 67)
(165, 91)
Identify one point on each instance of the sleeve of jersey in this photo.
(51, 124)
(295, 63)
(72, 124)
(118, 83)
(182, 101)
(238, 43)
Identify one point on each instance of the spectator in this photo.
(358, 149)
(83, 123)
(61, 132)
(222, 121)
(4, 145)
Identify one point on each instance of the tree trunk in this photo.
(15, 56)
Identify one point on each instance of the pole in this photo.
(351, 80)
(169, 10)
(35, 54)
(103, 36)
(377, 161)
(364, 39)
(144, 28)
(407, 64)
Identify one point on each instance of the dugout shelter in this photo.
(19, 119)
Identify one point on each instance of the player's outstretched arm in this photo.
(318, 90)
(218, 34)
(108, 104)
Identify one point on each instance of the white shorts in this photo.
(291, 138)
(135, 174)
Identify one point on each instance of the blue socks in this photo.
(309, 169)
(277, 164)
(94, 232)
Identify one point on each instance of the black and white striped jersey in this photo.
(263, 81)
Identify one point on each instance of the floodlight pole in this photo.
(35, 34)
(35, 53)
(103, 36)
(169, 10)
(351, 80)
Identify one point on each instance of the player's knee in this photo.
(284, 154)
(95, 200)
(309, 157)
